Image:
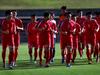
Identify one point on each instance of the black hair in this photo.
(7, 12)
(79, 10)
(97, 13)
(63, 7)
(33, 15)
(46, 14)
(88, 13)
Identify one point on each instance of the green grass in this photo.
(29, 4)
(25, 68)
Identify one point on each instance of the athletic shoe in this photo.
(68, 65)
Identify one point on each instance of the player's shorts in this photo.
(91, 39)
(8, 40)
(44, 41)
(66, 42)
(17, 40)
(33, 43)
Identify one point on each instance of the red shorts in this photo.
(44, 41)
(66, 41)
(75, 42)
(91, 39)
(82, 39)
(17, 39)
(33, 43)
(8, 40)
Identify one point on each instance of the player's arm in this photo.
(63, 32)
(54, 30)
(4, 28)
(20, 28)
(97, 26)
(38, 26)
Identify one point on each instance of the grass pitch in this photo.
(81, 66)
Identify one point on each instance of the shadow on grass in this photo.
(25, 64)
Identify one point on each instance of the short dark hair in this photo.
(46, 14)
(63, 7)
(33, 15)
(97, 13)
(78, 11)
(88, 13)
(7, 12)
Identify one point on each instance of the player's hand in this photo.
(65, 33)
(80, 33)
(20, 28)
(96, 30)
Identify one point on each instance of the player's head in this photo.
(79, 12)
(89, 15)
(63, 9)
(74, 17)
(14, 13)
(33, 17)
(8, 14)
(97, 13)
(68, 15)
(46, 16)
(52, 15)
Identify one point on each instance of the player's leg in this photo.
(4, 46)
(11, 52)
(62, 45)
(69, 52)
(11, 55)
(47, 50)
(69, 56)
(40, 55)
(75, 48)
(74, 55)
(80, 50)
(30, 46)
(17, 43)
(88, 53)
(54, 49)
(51, 54)
(96, 53)
(35, 54)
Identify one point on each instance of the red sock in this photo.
(40, 55)
(3, 55)
(88, 53)
(80, 52)
(30, 52)
(68, 59)
(11, 54)
(15, 54)
(74, 54)
(62, 53)
(51, 53)
(35, 53)
(47, 56)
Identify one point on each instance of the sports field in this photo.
(30, 4)
(24, 67)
